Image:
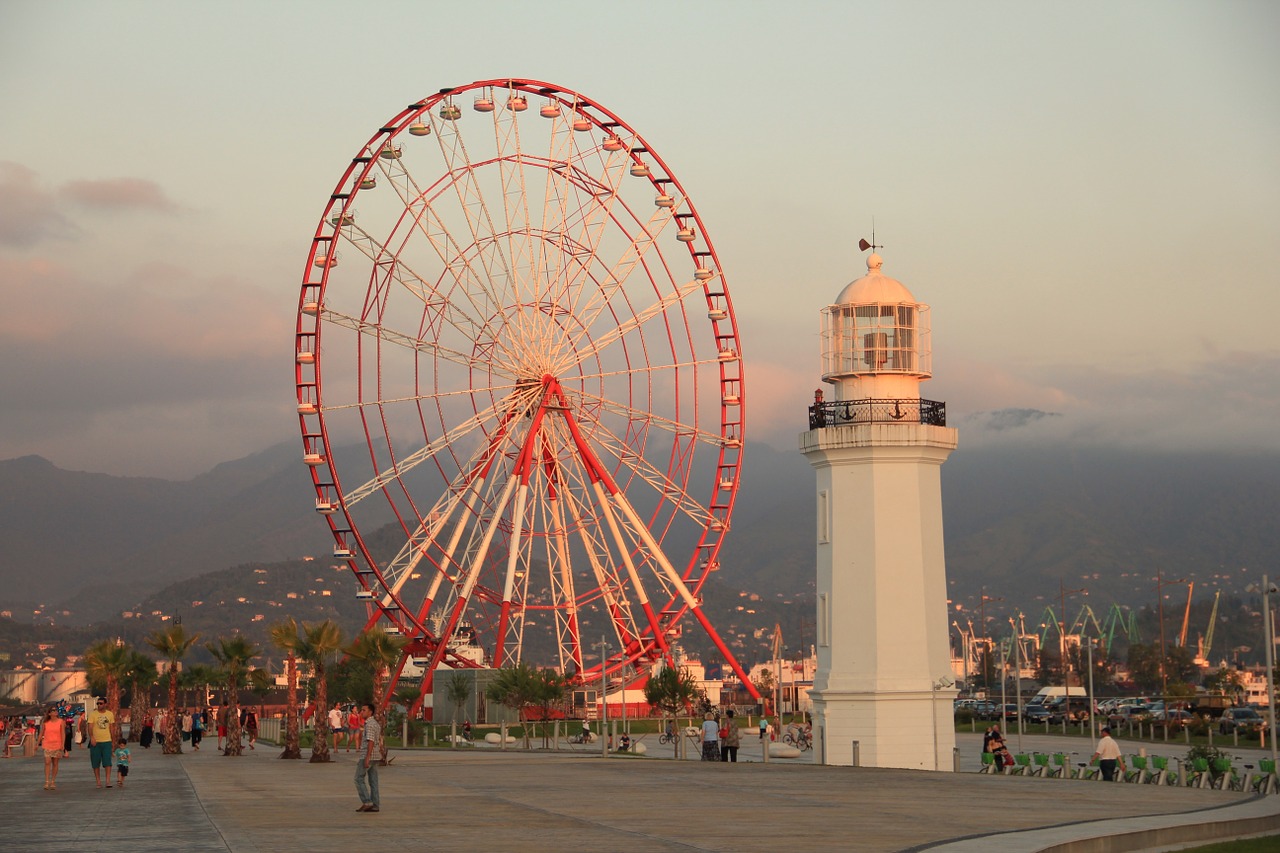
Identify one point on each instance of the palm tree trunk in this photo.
(113, 705)
(233, 746)
(320, 743)
(292, 749)
(173, 725)
(138, 709)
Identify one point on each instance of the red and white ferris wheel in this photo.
(520, 384)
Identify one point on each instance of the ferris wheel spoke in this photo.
(397, 269)
(426, 452)
(650, 418)
(409, 342)
(427, 221)
(615, 278)
(635, 322)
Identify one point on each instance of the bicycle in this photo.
(667, 737)
(800, 740)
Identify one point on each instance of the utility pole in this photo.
(604, 697)
(986, 634)
(1161, 583)
(1063, 592)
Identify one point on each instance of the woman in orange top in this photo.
(51, 737)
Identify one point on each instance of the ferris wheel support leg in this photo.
(385, 700)
(724, 651)
(625, 552)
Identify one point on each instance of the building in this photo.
(882, 694)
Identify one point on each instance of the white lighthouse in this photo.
(884, 662)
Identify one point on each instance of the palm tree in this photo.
(106, 662)
(380, 651)
(233, 655)
(316, 643)
(458, 692)
(284, 635)
(140, 674)
(173, 643)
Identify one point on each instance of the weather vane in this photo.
(863, 245)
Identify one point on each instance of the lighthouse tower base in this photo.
(884, 659)
(910, 730)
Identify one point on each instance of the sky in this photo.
(1087, 195)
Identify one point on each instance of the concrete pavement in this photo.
(483, 799)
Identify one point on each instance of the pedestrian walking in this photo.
(251, 726)
(710, 738)
(366, 766)
(732, 738)
(1108, 756)
(53, 742)
(121, 756)
(99, 722)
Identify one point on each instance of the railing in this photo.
(910, 411)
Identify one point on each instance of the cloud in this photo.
(28, 213)
(142, 377)
(1228, 402)
(118, 194)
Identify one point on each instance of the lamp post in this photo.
(1017, 674)
(1093, 727)
(1063, 592)
(937, 685)
(1269, 624)
(604, 697)
(1161, 583)
(986, 633)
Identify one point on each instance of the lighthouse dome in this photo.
(874, 287)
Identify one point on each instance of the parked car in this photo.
(1128, 714)
(1240, 719)
(1074, 709)
(1010, 712)
(1035, 713)
(1174, 719)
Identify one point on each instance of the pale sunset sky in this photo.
(1087, 194)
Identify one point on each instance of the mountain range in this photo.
(1021, 526)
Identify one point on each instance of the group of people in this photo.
(348, 725)
(721, 737)
(1107, 755)
(97, 732)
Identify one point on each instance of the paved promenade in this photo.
(483, 799)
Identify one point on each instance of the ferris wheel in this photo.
(520, 385)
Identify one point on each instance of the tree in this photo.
(316, 644)
(233, 655)
(547, 695)
(172, 643)
(380, 651)
(106, 662)
(458, 692)
(284, 635)
(139, 675)
(515, 687)
(672, 690)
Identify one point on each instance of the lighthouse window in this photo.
(824, 619)
(824, 521)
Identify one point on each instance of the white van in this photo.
(1049, 695)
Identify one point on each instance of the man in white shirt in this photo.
(1108, 756)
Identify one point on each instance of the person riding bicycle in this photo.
(466, 729)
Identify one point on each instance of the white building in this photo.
(883, 679)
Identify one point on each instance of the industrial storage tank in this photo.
(20, 685)
(58, 684)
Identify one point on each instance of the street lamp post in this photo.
(1161, 583)
(937, 685)
(604, 697)
(986, 633)
(1093, 728)
(1269, 624)
(1017, 674)
(1063, 592)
